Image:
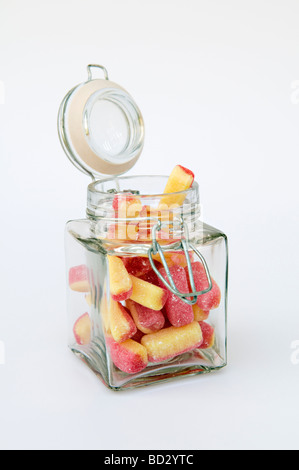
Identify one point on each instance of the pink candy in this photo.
(146, 320)
(178, 312)
(211, 299)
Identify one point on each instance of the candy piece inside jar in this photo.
(211, 299)
(172, 341)
(129, 356)
(178, 312)
(146, 320)
(121, 285)
(122, 326)
(78, 278)
(82, 329)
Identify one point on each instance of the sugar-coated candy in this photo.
(170, 342)
(179, 180)
(122, 231)
(120, 280)
(137, 265)
(199, 314)
(82, 329)
(129, 356)
(211, 299)
(178, 312)
(126, 205)
(146, 319)
(148, 295)
(208, 334)
(122, 326)
(151, 277)
(78, 278)
(105, 306)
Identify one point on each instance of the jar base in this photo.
(196, 362)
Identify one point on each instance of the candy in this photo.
(163, 215)
(179, 180)
(78, 278)
(146, 320)
(120, 280)
(147, 294)
(174, 258)
(208, 334)
(126, 205)
(82, 329)
(137, 265)
(122, 326)
(199, 314)
(170, 342)
(129, 356)
(178, 312)
(178, 258)
(88, 299)
(211, 299)
(105, 312)
(145, 232)
(151, 277)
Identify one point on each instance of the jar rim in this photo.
(92, 186)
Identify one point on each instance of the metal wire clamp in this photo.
(189, 298)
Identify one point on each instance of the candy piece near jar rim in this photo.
(126, 205)
(170, 342)
(180, 179)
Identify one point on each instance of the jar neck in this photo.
(122, 212)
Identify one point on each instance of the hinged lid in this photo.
(100, 127)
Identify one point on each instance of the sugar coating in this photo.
(120, 281)
(82, 329)
(78, 278)
(129, 356)
(148, 295)
(126, 205)
(137, 265)
(122, 326)
(151, 277)
(179, 180)
(170, 342)
(211, 299)
(199, 314)
(208, 334)
(178, 312)
(146, 319)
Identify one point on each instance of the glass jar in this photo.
(146, 278)
(129, 347)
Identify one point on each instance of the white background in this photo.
(217, 83)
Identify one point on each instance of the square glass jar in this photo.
(126, 345)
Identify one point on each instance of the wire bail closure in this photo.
(189, 298)
(98, 67)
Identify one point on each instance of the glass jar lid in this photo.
(100, 127)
